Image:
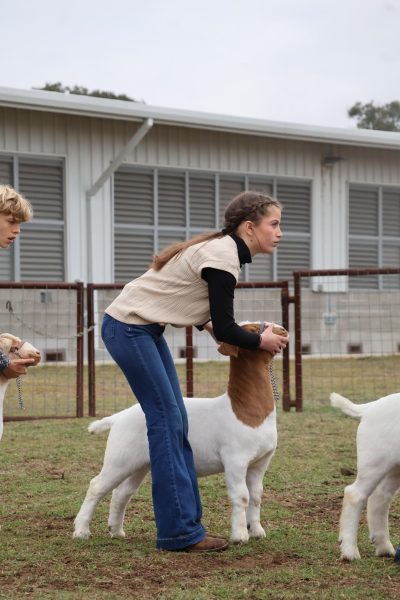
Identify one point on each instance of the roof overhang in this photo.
(73, 104)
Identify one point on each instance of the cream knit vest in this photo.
(176, 294)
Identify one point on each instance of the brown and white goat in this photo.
(235, 433)
(13, 346)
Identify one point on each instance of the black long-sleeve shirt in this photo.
(221, 292)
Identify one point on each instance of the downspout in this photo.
(113, 166)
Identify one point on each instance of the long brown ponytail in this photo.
(175, 249)
(247, 206)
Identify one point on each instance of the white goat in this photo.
(235, 433)
(378, 473)
(12, 346)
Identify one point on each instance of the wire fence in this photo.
(344, 330)
(347, 334)
(202, 371)
(50, 316)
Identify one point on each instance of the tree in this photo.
(82, 91)
(385, 117)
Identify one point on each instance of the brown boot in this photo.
(208, 544)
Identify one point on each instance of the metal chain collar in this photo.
(19, 385)
(19, 388)
(274, 384)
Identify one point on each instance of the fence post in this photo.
(79, 348)
(91, 351)
(297, 349)
(286, 402)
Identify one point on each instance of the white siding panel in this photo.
(372, 166)
(218, 151)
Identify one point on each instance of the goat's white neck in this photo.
(249, 387)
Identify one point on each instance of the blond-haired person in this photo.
(14, 210)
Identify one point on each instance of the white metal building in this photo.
(111, 182)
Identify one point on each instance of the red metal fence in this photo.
(50, 316)
(346, 338)
(346, 333)
(258, 301)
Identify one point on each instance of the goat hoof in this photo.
(258, 535)
(385, 551)
(240, 539)
(350, 555)
(81, 535)
(117, 534)
(257, 532)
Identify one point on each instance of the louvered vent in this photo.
(202, 202)
(171, 200)
(228, 189)
(133, 197)
(6, 254)
(42, 244)
(133, 253)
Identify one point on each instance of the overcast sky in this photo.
(300, 61)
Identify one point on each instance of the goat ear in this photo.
(228, 349)
(5, 343)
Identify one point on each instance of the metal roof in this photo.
(135, 111)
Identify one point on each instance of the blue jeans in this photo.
(143, 355)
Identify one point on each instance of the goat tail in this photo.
(349, 408)
(101, 425)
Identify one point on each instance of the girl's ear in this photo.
(228, 349)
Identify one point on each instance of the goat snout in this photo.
(26, 350)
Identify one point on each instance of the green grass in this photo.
(45, 468)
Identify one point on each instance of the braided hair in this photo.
(246, 206)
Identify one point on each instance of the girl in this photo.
(189, 283)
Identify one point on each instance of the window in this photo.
(6, 254)
(39, 253)
(294, 248)
(134, 223)
(156, 207)
(374, 234)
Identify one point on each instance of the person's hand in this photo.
(272, 342)
(17, 367)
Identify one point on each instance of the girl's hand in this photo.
(272, 342)
(17, 367)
